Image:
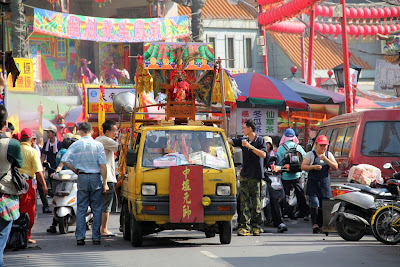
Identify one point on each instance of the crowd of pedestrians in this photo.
(314, 165)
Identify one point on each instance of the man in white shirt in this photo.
(110, 131)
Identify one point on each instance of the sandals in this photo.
(243, 232)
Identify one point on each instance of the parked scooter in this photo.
(65, 201)
(385, 223)
(357, 203)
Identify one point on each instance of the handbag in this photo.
(18, 180)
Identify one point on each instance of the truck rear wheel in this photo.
(225, 232)
(136, 232)
(126, 222)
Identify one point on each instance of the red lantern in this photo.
(330, 13)
(352, 13)
(374, 30)
(338, 30)
(317, 27)
(330, 73)
(318, 10)
(393, 11)
(381, 29)
(360, 30)
(352, 30)
(397, 26)
(388, 12)
(323, 29)
(367, 30)
(367, 13)
(393, 28)
(332, 29)
(374, 13)
(381, 13)
(293, 69)
(387, 29)
(347, 12)
(360, 13)
(325, 11)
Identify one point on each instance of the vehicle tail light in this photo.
(338, 192)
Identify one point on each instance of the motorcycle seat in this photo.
(372, 191)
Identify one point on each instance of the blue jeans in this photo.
(5, 229)
(90, 188)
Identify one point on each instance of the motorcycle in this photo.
(356, 204)
(385, 223)
(65, 201)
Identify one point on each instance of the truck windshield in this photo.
(163, 149)
(381, 139)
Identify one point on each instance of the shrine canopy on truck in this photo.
(167, 56)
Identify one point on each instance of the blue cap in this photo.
(289, 133)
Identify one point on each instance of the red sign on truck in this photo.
(186, 193)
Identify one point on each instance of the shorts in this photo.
(108, 197)
(314, 202)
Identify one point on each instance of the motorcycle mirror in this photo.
(387, 166)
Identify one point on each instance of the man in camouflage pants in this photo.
(254, 151)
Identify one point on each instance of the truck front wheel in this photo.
(136, 232)
(225, 232)
(126, 222)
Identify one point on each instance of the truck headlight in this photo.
(148, 189)
(223, 190)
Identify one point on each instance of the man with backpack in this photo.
(10, 156)
(290, 153)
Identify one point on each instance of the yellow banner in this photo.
(24, 82)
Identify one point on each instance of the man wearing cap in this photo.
(49, 152)
(292, 180)
(87, 158)
(317, 163)
(32, 169)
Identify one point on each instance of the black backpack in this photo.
(292, 157)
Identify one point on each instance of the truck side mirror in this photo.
(131, 158)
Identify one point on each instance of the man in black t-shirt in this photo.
(49, 152)
(254, 151)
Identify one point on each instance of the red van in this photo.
(367, 137)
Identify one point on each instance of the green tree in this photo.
(197, 17)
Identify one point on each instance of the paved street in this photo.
(297, 247)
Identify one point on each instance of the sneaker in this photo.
(307, 218)
(52, 229)
(96, 242)
(80, 242)
(315, 229)
(256, 231)
(243, 232)
(282, 228)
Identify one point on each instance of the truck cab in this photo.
(178, 177)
